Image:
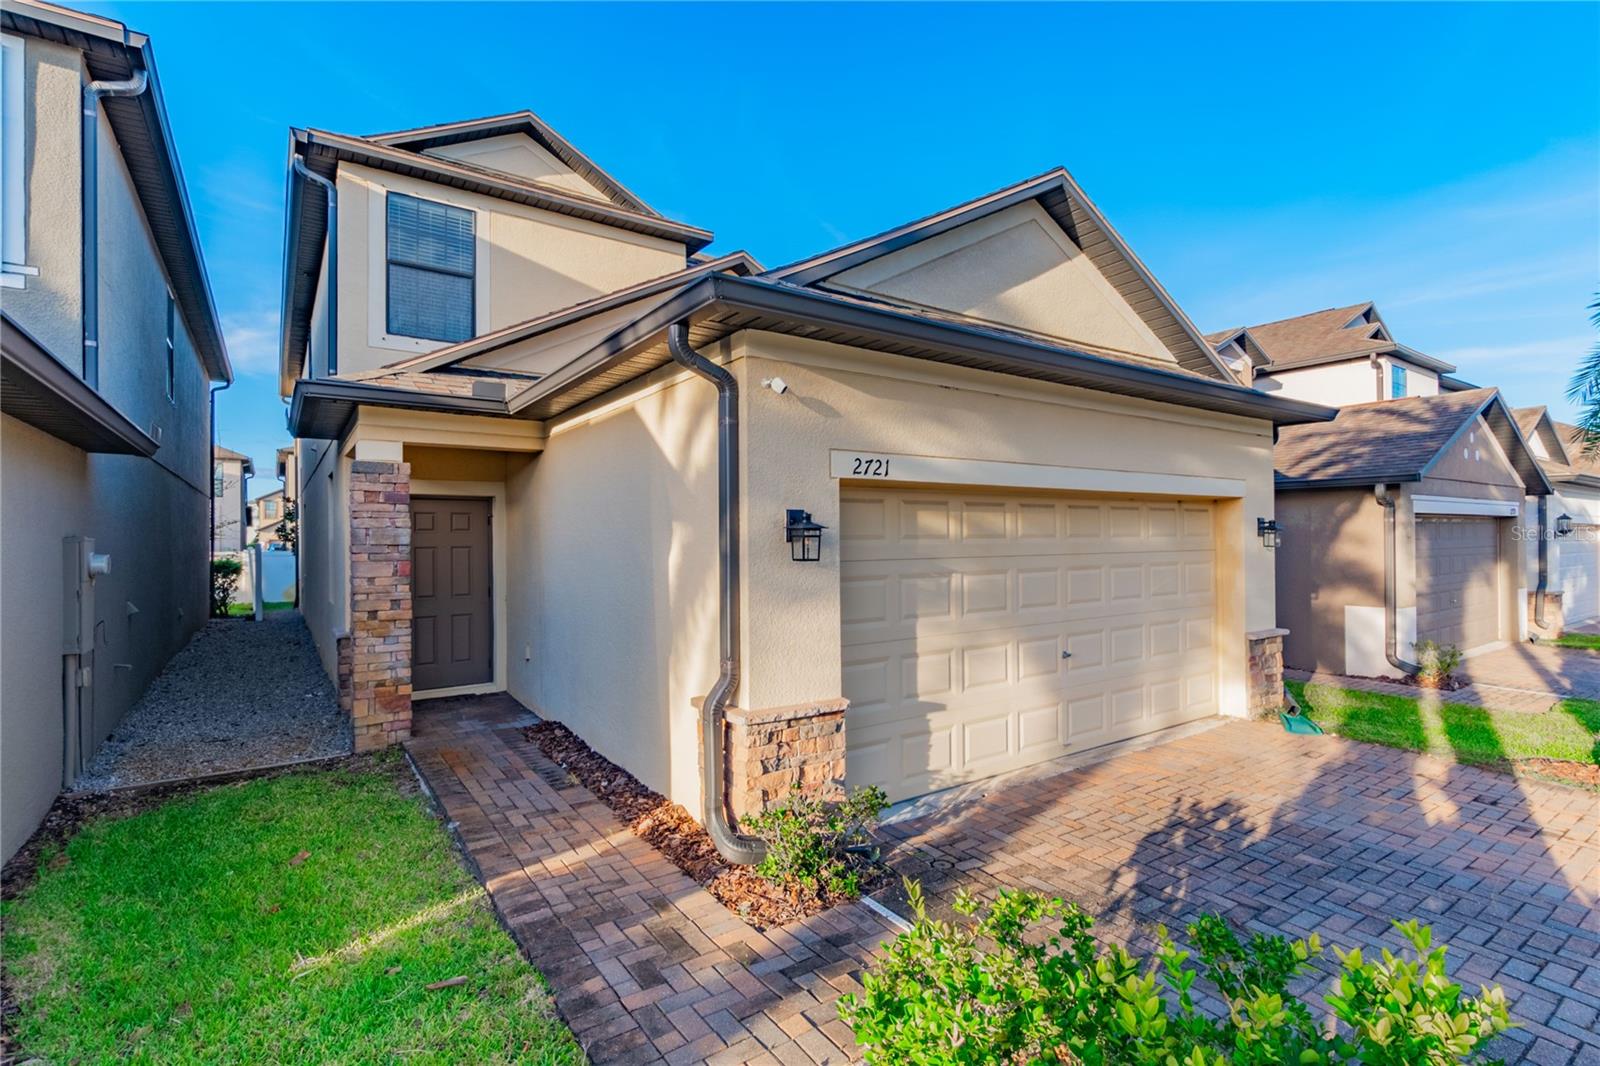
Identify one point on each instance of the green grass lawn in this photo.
(291, 919)
(1581, 641)
(244, 610)
(1570, 731)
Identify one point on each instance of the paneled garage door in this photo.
(1578, 573)
(957, 611)
(1458, 581)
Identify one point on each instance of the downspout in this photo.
(1544, 563)
(1391, 650)
(735, 847)
(333, 262)
(211, 534)
(1377, 374)
(90, 186)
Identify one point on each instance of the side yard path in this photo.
(647, 967)
(241, 695)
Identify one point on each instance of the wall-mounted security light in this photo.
(803, 536)
(1267, 529)
(1563, 525)
(777, 385)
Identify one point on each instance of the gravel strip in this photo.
(242, 694)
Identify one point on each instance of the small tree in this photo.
(224, 583)
(289, 528)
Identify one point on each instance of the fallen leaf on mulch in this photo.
(299, 858)
(668, 828)
(448, 982)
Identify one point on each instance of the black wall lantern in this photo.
(803, 535)
(1267, 529)
(1563, 525)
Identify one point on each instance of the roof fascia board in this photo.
(105, 429)
(543, 134)
(759, 295)
(1362, 482)
(1149, 279)
(358, 394)
(370, 153)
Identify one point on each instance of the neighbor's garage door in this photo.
(956, 610)
(1578, 573)
(1458, 582)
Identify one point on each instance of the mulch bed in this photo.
(1584, 774)
(668, 828)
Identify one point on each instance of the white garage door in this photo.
(957, 608)
(1458, 581)
(1577, 573)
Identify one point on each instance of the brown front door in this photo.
(451, 598)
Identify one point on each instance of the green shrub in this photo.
(1438, 661)
(224, 582)
(807, 839)
(1002, 988)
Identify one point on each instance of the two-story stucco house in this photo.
(1402, 520)
(951, 500)
(230, 507)
(266, 520)
(110, 340)
(1570, 563)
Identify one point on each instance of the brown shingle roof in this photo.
(1393, 440)
(228, 453)
(450, 381)
(1314, 336)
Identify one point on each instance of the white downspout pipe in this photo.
(90, 184)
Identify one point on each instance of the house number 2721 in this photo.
(865, 466)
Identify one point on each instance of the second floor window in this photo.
(218, 484)
(1397, 381)
(432, 260)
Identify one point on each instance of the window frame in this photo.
(14, 269)
(389, 262)
(1398, 379)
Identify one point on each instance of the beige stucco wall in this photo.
(149, 515)
(1015, 268)
(1334, 384)
(1474, 467)
(613, 562)
(529, 262)
(515, 153)
(613, 557)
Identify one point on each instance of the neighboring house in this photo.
(266, 516)
(1339, 356)
(1032, 489)
(1572, 563)
(105, 434)
(1403, 520)
(285, 471)
(230, 509)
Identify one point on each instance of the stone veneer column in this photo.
(1264, 693)
(380, 603)
(770, 752)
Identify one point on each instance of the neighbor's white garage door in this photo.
(1578, 573)
(956, 609)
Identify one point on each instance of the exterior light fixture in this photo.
(1267, 529)
(1563, 525)
(804, 536)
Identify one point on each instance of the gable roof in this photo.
(719, 305)
(306, 222)
(112, 51)
(1061, 197)
(219, 452)
(1567, 464)
(734, 263)
(528, 124)
(1329, 335)
(1394, 441)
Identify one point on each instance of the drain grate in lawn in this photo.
(308, 917)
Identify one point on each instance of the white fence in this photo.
(276, 572)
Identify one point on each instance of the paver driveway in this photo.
(1278, 832)
(1537, 667)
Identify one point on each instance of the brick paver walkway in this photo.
(646, 966)
(1279, 832)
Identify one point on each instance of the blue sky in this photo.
(1263, 160)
